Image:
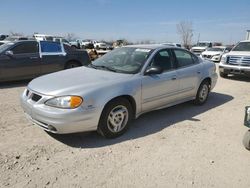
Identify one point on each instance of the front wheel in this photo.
(202, 94)
(246, 140)
(115, 118)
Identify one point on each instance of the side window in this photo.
(183, 58)
(163, 59)
(195, 58)
(68, 48)
(25, 48)
(50, 47)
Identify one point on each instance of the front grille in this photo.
(207, 56)
(35, 97)
(239, 61)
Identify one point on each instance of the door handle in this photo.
(198, 72)
(174, 78)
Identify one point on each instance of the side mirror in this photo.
(9, 53)
(153, 70)
(226, 51)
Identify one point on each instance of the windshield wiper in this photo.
(103, 67)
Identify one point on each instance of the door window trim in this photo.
(177, 63)
(171, 58)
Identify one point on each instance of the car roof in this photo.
(151, 46)
(245, 41)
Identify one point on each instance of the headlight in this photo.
(223, 59)
(67, 102)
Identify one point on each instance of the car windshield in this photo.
(127, 60)
(242, 46)
(5, 46)
(215, 49)
(203, 44)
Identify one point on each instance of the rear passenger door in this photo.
(53, 56)
(24, 63)
(188, 72)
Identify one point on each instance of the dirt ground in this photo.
(181, 146)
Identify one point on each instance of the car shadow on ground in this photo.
(12, 84)
(146, 124)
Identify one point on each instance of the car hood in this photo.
(199, 48)
(211, 53)
(74, 81)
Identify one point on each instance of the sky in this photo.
(135, 20)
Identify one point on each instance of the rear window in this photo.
(51, 47)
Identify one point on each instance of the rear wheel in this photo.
(202, 94)
(72, 64)
(115, 118)
(246, 140)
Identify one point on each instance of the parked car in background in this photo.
(201, 47)
(116, 88)
(99, 45)
(237, 61)
(246, 139)
(76, 43)
(29, 59)
(44, 37)
(85, 43)
(215, 53)
(2, 37)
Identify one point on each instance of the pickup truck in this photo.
(237, 61)
(28, 59)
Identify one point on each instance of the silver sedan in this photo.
(116, 88)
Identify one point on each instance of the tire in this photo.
(115, 118)
(246, 140)
(71, 65)
(223, 75)
(202, 93)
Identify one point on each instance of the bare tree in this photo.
(70, 36)
(12, 33)
(185, 30)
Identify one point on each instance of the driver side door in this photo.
(24, 63)
(161, 89)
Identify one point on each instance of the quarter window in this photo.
(25, 48)
(163, 59)
(50, 47)
(183, 58)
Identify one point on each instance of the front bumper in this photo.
(237, 70)
(60, 121)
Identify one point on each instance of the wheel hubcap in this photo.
(203, 93)
(117, 118)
